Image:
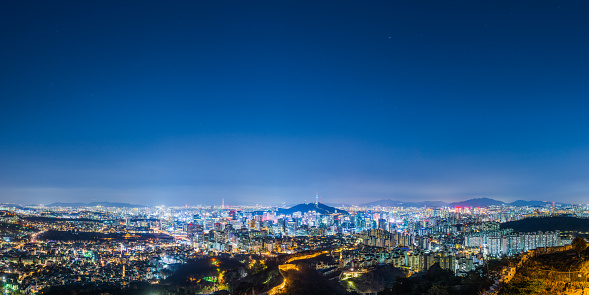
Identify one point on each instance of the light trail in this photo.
(287, 266)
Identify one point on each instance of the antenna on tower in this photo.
(317, 199)
(223, 203)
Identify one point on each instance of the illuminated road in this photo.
(287, 266)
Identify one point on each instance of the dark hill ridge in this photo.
(320, 208)
(477, 202)
(562, 223)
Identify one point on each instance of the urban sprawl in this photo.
(46, 246)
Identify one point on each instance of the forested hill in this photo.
(561, 223)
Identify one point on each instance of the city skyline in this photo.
(482, 202)
(268, 102)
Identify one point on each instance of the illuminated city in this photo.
(127, 246)
(277, 147)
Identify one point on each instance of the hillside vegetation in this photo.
(561, 223)
(562, 273)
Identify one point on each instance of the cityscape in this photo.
(277, 147)
(253, 249)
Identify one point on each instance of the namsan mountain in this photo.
(307, 207)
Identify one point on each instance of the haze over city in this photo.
(271, 101)
(294, 147)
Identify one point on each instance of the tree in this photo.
(520, 285)
(438, 290)
(579, 245)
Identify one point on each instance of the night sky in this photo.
(188, 102)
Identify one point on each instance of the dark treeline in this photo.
(562, 223)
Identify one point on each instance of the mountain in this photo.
(522, 203)
(391, 203)
(94, 204)
(478, 202)
(486, 202)
(320, 208)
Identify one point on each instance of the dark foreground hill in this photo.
(439, 281)
(559, 273)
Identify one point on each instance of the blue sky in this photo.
(271, 101)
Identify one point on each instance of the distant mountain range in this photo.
(330, 208)
(478, 202)
(521, 203)
(320, 208)
(391, 203)
(94, 204)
